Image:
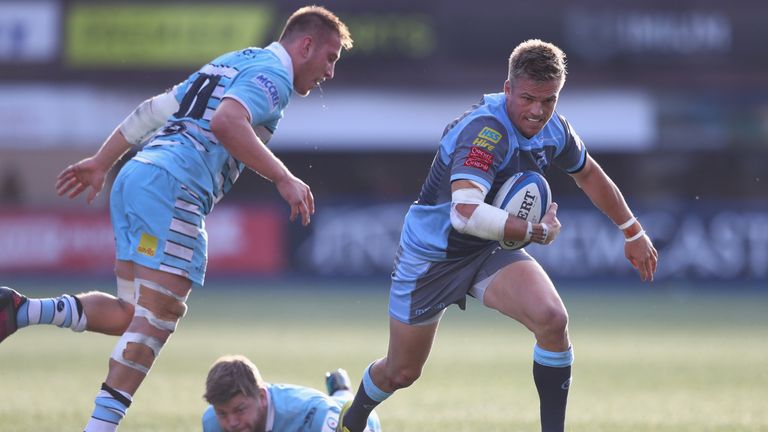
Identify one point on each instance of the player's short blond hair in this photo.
(537, 60)
(230, 376)
(316, 20)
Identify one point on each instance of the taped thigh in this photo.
(134, 350)
(165, 319)
(126, 290)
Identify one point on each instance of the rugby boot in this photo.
(10, 301)
(337, 380)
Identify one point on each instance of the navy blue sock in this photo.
(368, 397)
(553, 379)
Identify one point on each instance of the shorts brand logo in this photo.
(147, 245)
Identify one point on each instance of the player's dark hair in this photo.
(316, 20)
(537, 60)
(231, 376)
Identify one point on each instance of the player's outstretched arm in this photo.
(606, 196)
(92, 171)
(231, 125)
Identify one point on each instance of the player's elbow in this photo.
(220, 124)
(460, 215)
(229, 119)
(483, 221)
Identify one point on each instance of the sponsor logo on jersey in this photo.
(482, 142)
(270, 89)
(479, 158)
(147, 245)
(490, 134)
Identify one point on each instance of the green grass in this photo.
(657, 360)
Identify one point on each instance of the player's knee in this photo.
(404, 377)
(162, 308)
(553, 322)
(172, 311)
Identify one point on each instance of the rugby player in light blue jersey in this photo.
(449, 247)
(199, 137)
(240, 401)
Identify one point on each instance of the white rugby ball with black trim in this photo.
(525, 195)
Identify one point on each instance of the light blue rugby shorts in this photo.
(422, 289)
(158, 222)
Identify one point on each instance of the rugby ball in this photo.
(525, 195)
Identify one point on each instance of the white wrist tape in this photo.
(148, 117)
(545, 232)
(486, 221)
(635, 237)
(628, 223)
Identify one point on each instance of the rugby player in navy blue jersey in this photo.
(449, 246)
(197, 139)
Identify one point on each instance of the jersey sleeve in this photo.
(480, 149)
(263, 94)
(572, 155)
(210, 423)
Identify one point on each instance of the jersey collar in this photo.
(270, 411)
(285, 58)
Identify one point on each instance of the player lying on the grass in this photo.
(449, 246)
(242, 402)
(201, 135)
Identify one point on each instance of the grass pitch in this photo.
(650, 359)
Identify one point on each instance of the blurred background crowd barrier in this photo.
(671, 98)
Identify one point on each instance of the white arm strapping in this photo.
(148, 117)
(486, 221)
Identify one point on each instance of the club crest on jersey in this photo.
(490, 134)
(541, 159)
(270, 89)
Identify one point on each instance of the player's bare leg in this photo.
(523, 291)
(160, 303)
(93, 311)
(409, 347)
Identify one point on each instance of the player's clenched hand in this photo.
(552, 224)
(78, 177)
(643, 256)
(299, 197)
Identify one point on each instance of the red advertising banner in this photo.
(241, 240)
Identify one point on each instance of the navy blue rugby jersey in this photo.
(483, 146)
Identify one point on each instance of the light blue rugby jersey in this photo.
(296, 409)
(261, 79)
(482, 145)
